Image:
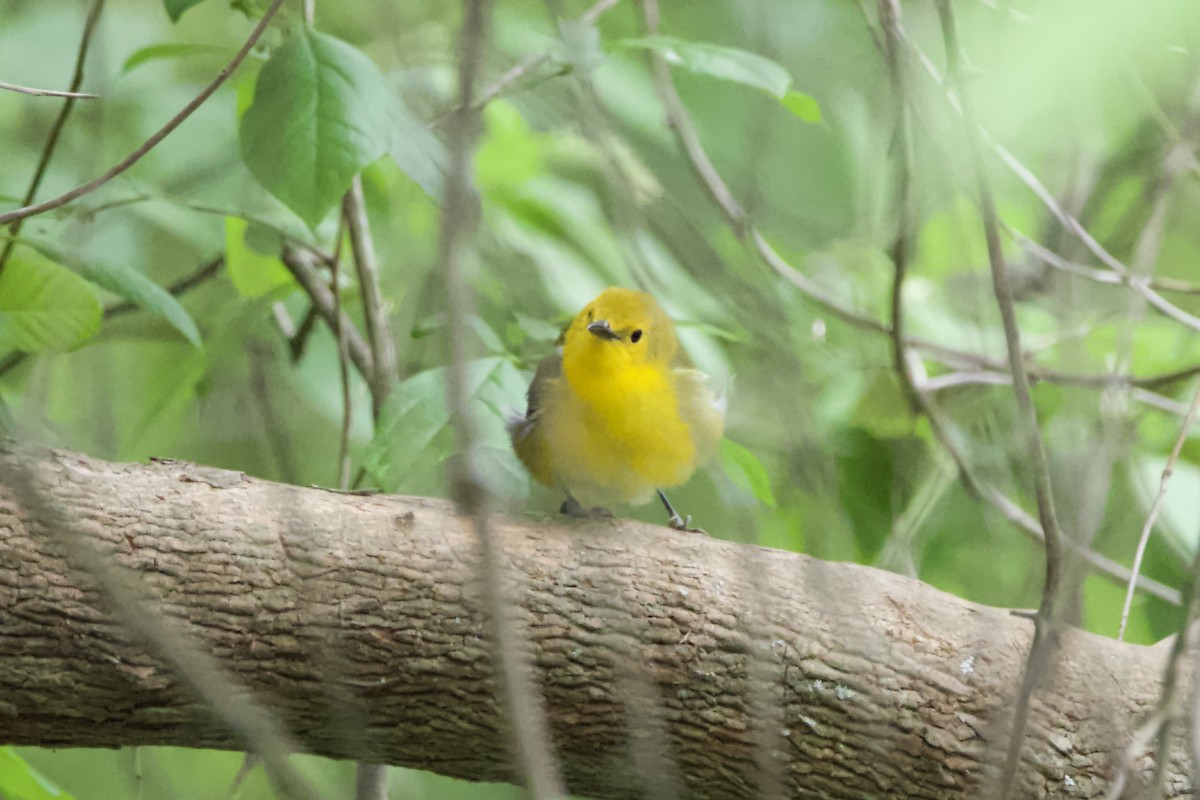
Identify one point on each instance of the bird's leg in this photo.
(573, 508)
(677, 522)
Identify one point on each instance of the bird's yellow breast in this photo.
(618, 435)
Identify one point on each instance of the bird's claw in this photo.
(572, 508)
(679, 523)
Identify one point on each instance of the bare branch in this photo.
(1069, 222)
(274, 578)
(340, 321)
(712, 183)
(534, 63)
(1044, 642)
(1184, 433)
(162, 133)
(893, 32)
(300, 262)
(89, 28)
(375, 311)
(126, 597)
(12, 87)
(522, 696)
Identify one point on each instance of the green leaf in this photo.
(126, 283)
(254, 273)
(135, 287)
(412, 435)
(802, 105)
(726, 63)
(158, 52)
(744, 469)
(19, 781)
(417, 152)
(883, 409)
(322, 111)
(510, 154)
(45, 307)
(175, 8)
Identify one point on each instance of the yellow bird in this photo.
(612, 417)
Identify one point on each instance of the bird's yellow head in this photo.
(619, 329)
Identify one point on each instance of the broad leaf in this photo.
(417, 152)
(175, 8)
(126, 283)
(412, 435)
(254, 273)
(727, 63)
(744, 469)
(45, 307)
(158, 52)
(322, 111)
(802, 105)
(131, 285)
(19, 781)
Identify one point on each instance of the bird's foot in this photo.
(684, 524)
(572, 508)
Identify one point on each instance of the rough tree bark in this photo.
(667, 659)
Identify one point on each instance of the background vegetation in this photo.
(582, 185)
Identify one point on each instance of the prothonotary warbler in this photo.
(612, 416)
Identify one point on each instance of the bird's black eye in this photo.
(636, 336)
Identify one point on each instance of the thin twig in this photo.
(519, 688)
(1184, 433)
(85, 40)
(73, 95)
(532, 63)
(890, 16)
(1068, 221)
(298, 337)
(375, 313)
(299, 262)
(1103, 276)
(1009, 509)
(1042, 646)
(339, 332)
(1168, 704)
(158, 136)
(1003, 290)
(204, 272)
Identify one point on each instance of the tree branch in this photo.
(375, 312)
(39, 172)
(358, 621)
(718, 191)
(158, 136)
(523, 702)
(71, 95)
(301, 263)
(1045, 643)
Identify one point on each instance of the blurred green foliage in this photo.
(581, 186)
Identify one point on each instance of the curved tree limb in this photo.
(359, 622)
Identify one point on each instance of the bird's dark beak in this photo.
(602, 329)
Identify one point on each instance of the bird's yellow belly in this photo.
(619, 441)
